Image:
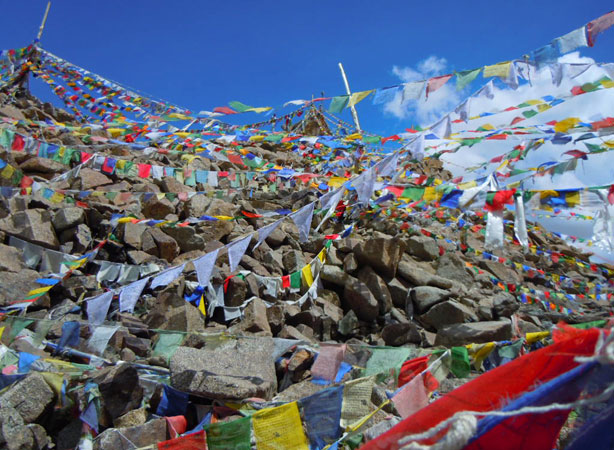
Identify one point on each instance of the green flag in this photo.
(465, 77)
(337, 104)
(229, 435)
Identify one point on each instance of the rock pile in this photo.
(251, 335)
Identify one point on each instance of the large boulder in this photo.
(447, 313)
(422, 247)
(150, 433)
(477, 332)
(31, 397)
(32, 225)
(378, 288)
(425, 297)
(120, 389)
(68, 218)
(382, 254)
(234, 370)
(358, 298)
(452, 267)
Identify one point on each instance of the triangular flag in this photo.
(443, 128)
(357, 97)
(302, 219)
(413, 90)
(265, 231)
(463, 110)
(236, 250)
(365, 188)
(436, 83)
(330, 204)
(130, 294)
(486, 91)
(465, 77)
(204, 266)
(167, 277)
(97, 308)
(416, 147)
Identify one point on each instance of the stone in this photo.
(31, 397)
(358, 298)
(11, 259)
(378, 288)
(476, 332)
(255, 318)
(131, 418)
(293, 261)
(349, 324)
(156, 208)
(397, 334)
(425, 297)
(68, 218)
(399, 291)
(32, 225)
(290, 332)
(196, 206)
(139, 346)
(236, 292)
(42, 165)
(422, 247)
(447, 313)
(410, 271)
(138, 436)
(382, 254)
(91, 179)
(452, 267)
(504, 305)
(234, 370)
(350, 263)
(334, 275)
(14, 434)
(186, 238)
(167, 247)
(499, 270)
(120, 389)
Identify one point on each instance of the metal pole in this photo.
(347, 89)
(42, 27)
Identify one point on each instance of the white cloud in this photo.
(425, 111)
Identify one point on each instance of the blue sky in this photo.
(204, 54)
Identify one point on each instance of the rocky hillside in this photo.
(149, 290)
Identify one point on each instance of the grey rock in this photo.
(410, 271)
(120, 389)
(31, 397)
(11, 259)
(350, 263)
(477, 332)
(236, 369)
(358, 298)
(425, 297)
(186, 238)
(447, 313)
(156, 208)
(452, 267)
(334, 275)
(349, 324)
(68, 218)
(32, 225)
(382, 254)
(144, 435)
(399, 291)
(92, 179)
(504, 305)
(293, 260)
(397, 334)
(422, 247)
(378, 288)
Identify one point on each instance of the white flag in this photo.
(130, 294)
(302, 219)
(265, 231)
(167, 277)
(98, 307)
(204, 267)
(236, 250)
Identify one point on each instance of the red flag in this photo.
(577, 154)
(224, 110)
(194, 441)
(285, 281)
(611, 195)
(495, 388)
(18, 143)
(435, 83)
(496, 201)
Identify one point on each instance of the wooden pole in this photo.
(347, 89)
(42, 27)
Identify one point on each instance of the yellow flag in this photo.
(479, 352)
(357, 97)
(537, 336)
(279, 427)
(501, 70)
(322, 256)
(566, 124)
(202, 307)
(7, 172)
(307, 275)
